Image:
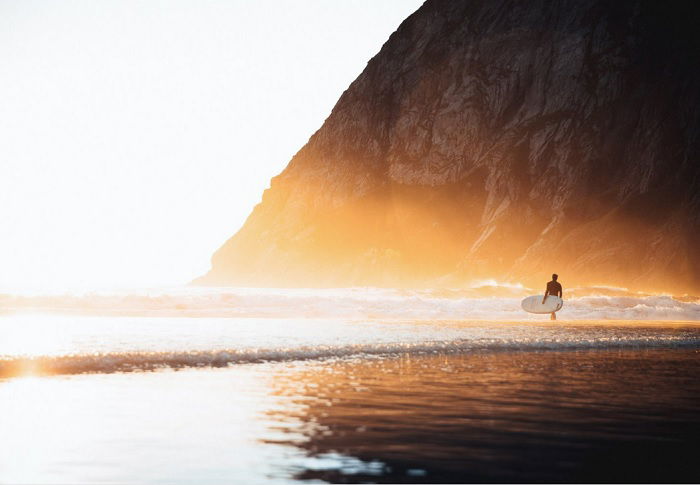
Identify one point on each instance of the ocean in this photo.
(347, 385)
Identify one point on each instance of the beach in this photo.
(526, 416)
(407, 241)
(169, 398)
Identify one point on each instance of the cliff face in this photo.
(497, 139)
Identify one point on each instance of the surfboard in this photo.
(533, 304)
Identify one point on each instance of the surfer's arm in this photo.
(546, 292)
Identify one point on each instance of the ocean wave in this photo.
(140, 361)
(485, 302)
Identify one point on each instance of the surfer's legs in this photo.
(554, 316)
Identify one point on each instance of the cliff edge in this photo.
(497, 139)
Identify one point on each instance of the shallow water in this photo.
(510, 417)
(612, 415)
(282, 386)
(49, 344)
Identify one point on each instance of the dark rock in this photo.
(498, 139)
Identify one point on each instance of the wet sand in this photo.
(622, 415)
(577, 416)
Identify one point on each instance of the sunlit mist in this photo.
(135, 137)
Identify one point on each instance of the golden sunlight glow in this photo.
(128, 159)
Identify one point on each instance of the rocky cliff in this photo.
(498, 139)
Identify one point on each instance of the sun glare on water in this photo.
(34, 335)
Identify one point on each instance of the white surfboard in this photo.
(533, 304)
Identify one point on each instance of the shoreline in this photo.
(149, 361)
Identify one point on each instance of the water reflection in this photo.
(498, 417)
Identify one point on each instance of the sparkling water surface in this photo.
(69, 344)
(288, 387)
(595, 415)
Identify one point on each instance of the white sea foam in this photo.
(493, 339)
(130, 331)
(495, 302)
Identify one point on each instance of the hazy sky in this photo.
(136, 136)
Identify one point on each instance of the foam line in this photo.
(357, 303)
(132, 361)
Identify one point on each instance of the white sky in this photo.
(136, 136)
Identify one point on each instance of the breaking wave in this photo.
(490, 302)
(114, 332)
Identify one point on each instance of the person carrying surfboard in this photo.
(554, 289)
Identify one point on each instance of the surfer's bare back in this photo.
(554, 289)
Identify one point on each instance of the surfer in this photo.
(553, 288)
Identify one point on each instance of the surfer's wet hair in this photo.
(555, 276)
